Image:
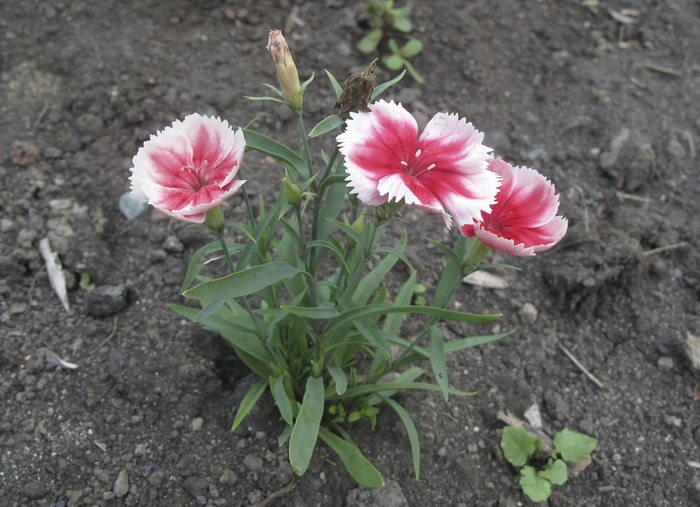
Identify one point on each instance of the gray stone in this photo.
(121, 485)
(35, 490)
(107, 300)
(389, 495)
(253, 462)
(196, 486)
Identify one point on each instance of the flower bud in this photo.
(215, 220)
(291, 192)
(286, 70)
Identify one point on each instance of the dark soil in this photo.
(606, 107)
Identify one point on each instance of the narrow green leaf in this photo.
(446, 250)
(555, 471)
(329, 123)
(393, 322)
(341, 381)
(473, 341)
(374, 278)
(306, 426)
(573, 446)
(339, 254)
(518, 445)
(451, 274)
(282, 400)
(378, 90)
(279, 151)
(396, 252)
(395, 385)
(359, 467)
(370, 310)
(209, 309)
(326, 311)
(410, 430)
(194, 267)
(337, 88)
(437, 359)
(248, 402)
(536, 487)
(243, 283)
(266, 99)
(413, 72)
(349, 231)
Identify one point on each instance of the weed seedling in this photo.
(520, 447)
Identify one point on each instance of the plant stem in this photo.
(475, 254)
(318, 201)
(246, 200)
(306, 152)
(246, 303)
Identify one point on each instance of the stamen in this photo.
(430, 167)
(418, 152)
(403, 162)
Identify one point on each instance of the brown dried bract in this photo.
(357, 90)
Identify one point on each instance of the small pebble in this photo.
(529, 312)
(34, 490)
(253, 462)
(121, 485)
(665, 363)
(107, 300)
(196, 423)
(228, 478)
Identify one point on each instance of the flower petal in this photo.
(524, 220)
(189, 167)
(375, 144)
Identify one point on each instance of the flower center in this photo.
(414, 169)
(198, 174)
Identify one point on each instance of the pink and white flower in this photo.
(524, 220)
(442, 171)
(189, 168)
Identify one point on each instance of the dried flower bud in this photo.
(357, 90)
(286, 70)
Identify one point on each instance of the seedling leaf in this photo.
(518, 445)
(573, 446)
(536, 487)
(555, 471)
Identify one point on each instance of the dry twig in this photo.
(109, 337)
(664, 248)
(581, 367)
(277, 494)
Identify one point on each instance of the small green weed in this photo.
(383, 19)
(520, 447)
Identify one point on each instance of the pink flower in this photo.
(189, 168)
(523, 220)
(442, 171)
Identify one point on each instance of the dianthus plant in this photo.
(302, 300)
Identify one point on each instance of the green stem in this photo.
(246, 200)
(246, 303)
(360, 269)
(477, 252)
(305, 143)
(318, 201)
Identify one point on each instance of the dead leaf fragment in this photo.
(486, 280)
(55, 272)
(24, 154)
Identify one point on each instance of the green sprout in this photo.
(86, 283)
(383, 19)
(520, 447)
